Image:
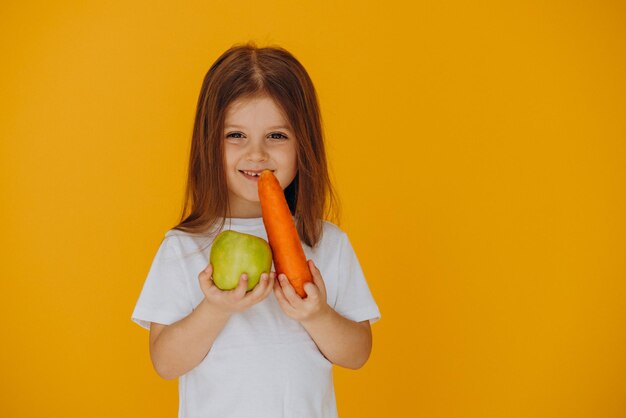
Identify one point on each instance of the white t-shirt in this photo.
(263, 363)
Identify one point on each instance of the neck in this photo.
(245, 211)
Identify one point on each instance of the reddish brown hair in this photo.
(244, 71)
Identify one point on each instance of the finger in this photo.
(242, 286)
(272, 282)
(269, 286)
(289, 291)
(317, 277)
(280, 297)
(261, 287)
(312, 291)
(205, 277)
(208, 271)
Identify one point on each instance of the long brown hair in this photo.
(247, 70)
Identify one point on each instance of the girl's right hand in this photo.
(236, 300)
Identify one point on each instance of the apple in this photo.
(234, 253)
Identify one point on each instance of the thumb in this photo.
(204, 277)
(315, 273)
(205, 274)
(317, 277)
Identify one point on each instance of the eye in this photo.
(234, 135)
(278, 136)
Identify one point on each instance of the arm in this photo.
(342, 341)
(177, 348)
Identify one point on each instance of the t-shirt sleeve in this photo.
(165, 297)
(354, 299)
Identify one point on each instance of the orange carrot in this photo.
(282, 235)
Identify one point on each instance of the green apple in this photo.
(234, 253)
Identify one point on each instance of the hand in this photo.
(236, 300)
(295, 307)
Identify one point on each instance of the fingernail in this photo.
(263, 276)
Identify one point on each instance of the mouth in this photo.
(252, 174)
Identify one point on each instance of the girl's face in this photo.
(257, 136)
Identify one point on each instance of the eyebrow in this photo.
(242, 127)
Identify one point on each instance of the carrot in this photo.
(282, 235)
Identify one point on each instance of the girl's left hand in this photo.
(295, 307)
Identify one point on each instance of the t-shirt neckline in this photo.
(245, 222)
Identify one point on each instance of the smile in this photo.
(252, 175)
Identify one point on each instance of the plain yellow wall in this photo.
(478, 149)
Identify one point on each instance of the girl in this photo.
(266, 352)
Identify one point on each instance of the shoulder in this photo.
(332, 235)
(175, 233)
(179, 235)
(187, 242)
(331, 228)
(174, 237)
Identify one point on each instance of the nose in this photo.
(256, 151)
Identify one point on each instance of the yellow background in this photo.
(478, 149)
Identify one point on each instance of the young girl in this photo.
(267, 352)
